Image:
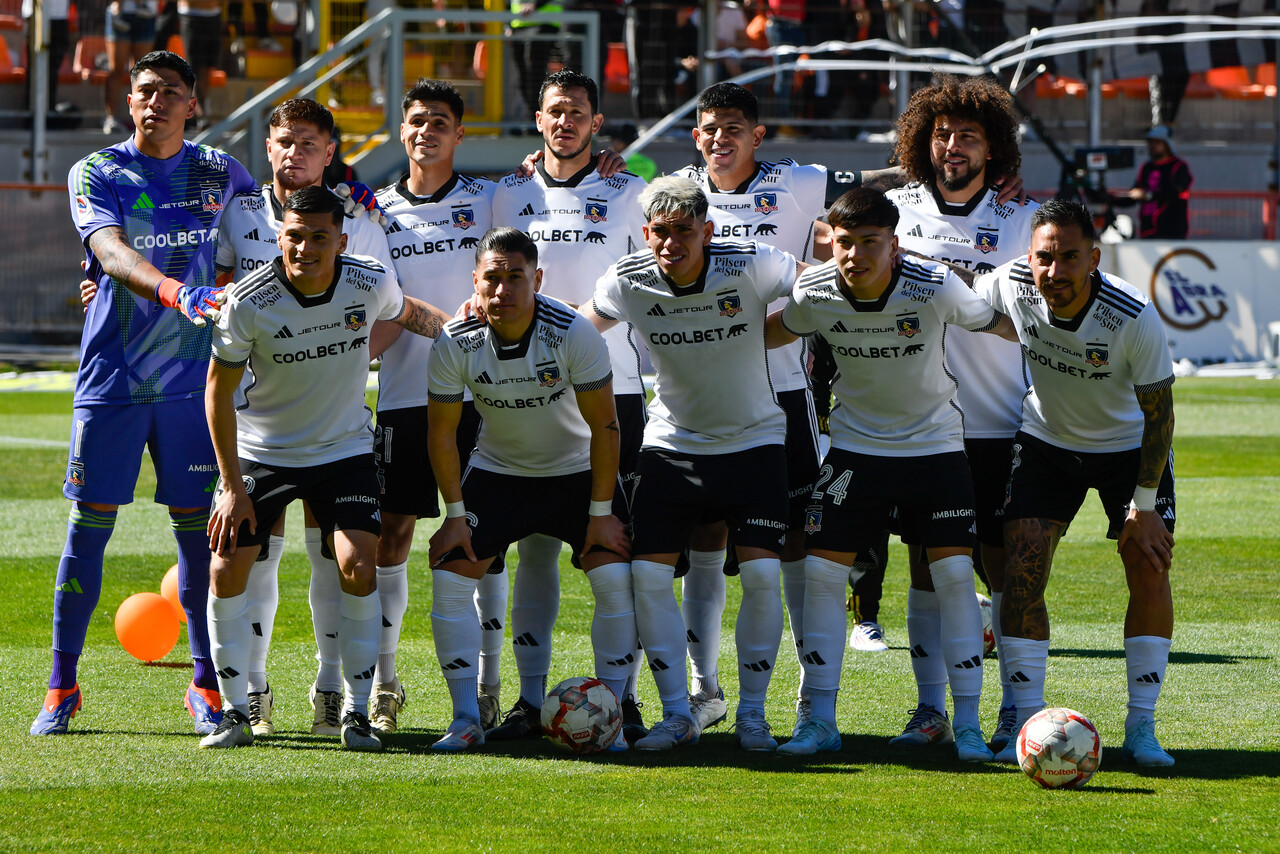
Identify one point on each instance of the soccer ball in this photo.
(581, 715)
(1059, 749)
(988, 634)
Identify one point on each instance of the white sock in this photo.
(662, 632)
(793, 583)
(759, 630)
(361, 618)
(491, 608)
(1145, 660)
(393, 593)
(263, 594)
(323, 596)
(924, 633)
(1006, 694)
(824, 614)
(229, 648)
(457, 638)
(632, 688)
(613, 625)
(702, 607)
(1026, 659)
(535, 603)
(961, 627)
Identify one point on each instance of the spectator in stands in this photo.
(55, 11)
(261, 21)
(200, 22)
(130, 33)
(785, 27)
(652, 56)
(1162, 187)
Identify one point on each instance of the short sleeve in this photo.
(797, 314)
(589, 364)
(93, 203)
(233, 333)
(775, 272)
(1149, 358)
(444, 381)
(961, 306)
(607, 300)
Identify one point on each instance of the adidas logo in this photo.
(143, 203)
(917, 651)
(483, 379)
(657, 665)
(257, 630)
(253, 235)
(761, 666)
(525, 639)
(333, 635)
(284, 333)
(70, 586)
(690, 637)
(527, 211)
(840, 327)
(494, 625)
(457, 664)
(228, 673)
(915, 232)
(1149, 678)
(814, 658)
(395, 227)
(386, 624)
(970, 663)
(656, 311)
(368, 674)
(1019, 676)
(621, 662)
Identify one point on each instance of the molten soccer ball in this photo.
(1059, 749)
(988, 635)
(581, 715)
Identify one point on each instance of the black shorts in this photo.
(989, 464)
(505, 508)
(856, 493)
(631, 419)
(802, 453)
(343, 496)
(408, 485)
(202, 38)
(1048, 482)
(675, 491)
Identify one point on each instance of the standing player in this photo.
(581, 222)
(886, 323)
(147, 210)
(1099, 415)
(302, 431)
(546, 460)
(952, 138)
(437, 217)
(713, 447)
(299, 146)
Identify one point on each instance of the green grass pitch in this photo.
(130, 776)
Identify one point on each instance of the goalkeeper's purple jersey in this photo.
(134, 350)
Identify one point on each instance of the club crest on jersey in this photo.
(766, 202)
(986, 241)
(813, 520)
(548, 375)
(212, 199)
(354, 318)
(730, 304)
(908, 326)
(464, 218)
(596, 212)
(75, 474)
(1096, 356)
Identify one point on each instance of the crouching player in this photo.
(301, 325)
(545, 462)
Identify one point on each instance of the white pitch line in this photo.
(23, 441)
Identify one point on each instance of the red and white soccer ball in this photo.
(1059, 749)
(988, 634)
(581, 715)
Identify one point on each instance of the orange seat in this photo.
(1265, 76)
(1049, 87)
(175, 45)
(1198, 87)
(617, 74)
(85, 59)
(1233, 82)
(9, 74)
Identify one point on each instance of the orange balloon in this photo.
(146, 626)
(169, 590)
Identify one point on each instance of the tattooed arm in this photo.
(598, 411)
(1144, 528)
(110, 245)
(1029, 547)
(421, 318)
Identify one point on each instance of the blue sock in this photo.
(78, 586)
(189, 529)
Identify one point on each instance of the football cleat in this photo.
(867, 637)
(1142, 747)
(1005, 727)
(1008, 755)
(327, 706)
(489, 709)
(754, 732)
(815, 736)
(708, 710)
(233, 730)
(620, 743)
(804, 711)
(969, 745)
(260, 705)
(632, 719)
(462, 735)
(388, 700)
(358, 734)
(60, 706)
(523, 721)
(205, 705)
(927, 726)
(668, 733)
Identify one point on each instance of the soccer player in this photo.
(1099, 415)
(954, 136)
(714, 443)
(437, 217)
(886, 323)
(299, 146)
(147, 210)
(581, 222)
(301, 431)
(545, 461)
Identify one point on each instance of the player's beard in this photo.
(558, 156)
(956, 183)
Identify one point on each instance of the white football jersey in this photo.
(712, 393)
(894, 395)
(307, 361)
(979, 236)
(776, 205)
(526, 394)
(581, 226)
(1085, 371)
(432, 241)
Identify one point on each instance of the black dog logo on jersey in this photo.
(354, 317)
(767, 228)
(1096, 356)
(908, 326)
(548, 374)
(468, 243)
(594, 237)
(737, 329)
(730, 304)
(912, 349)
(557, 395)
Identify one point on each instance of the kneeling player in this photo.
(545, 462)
(302, 432)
